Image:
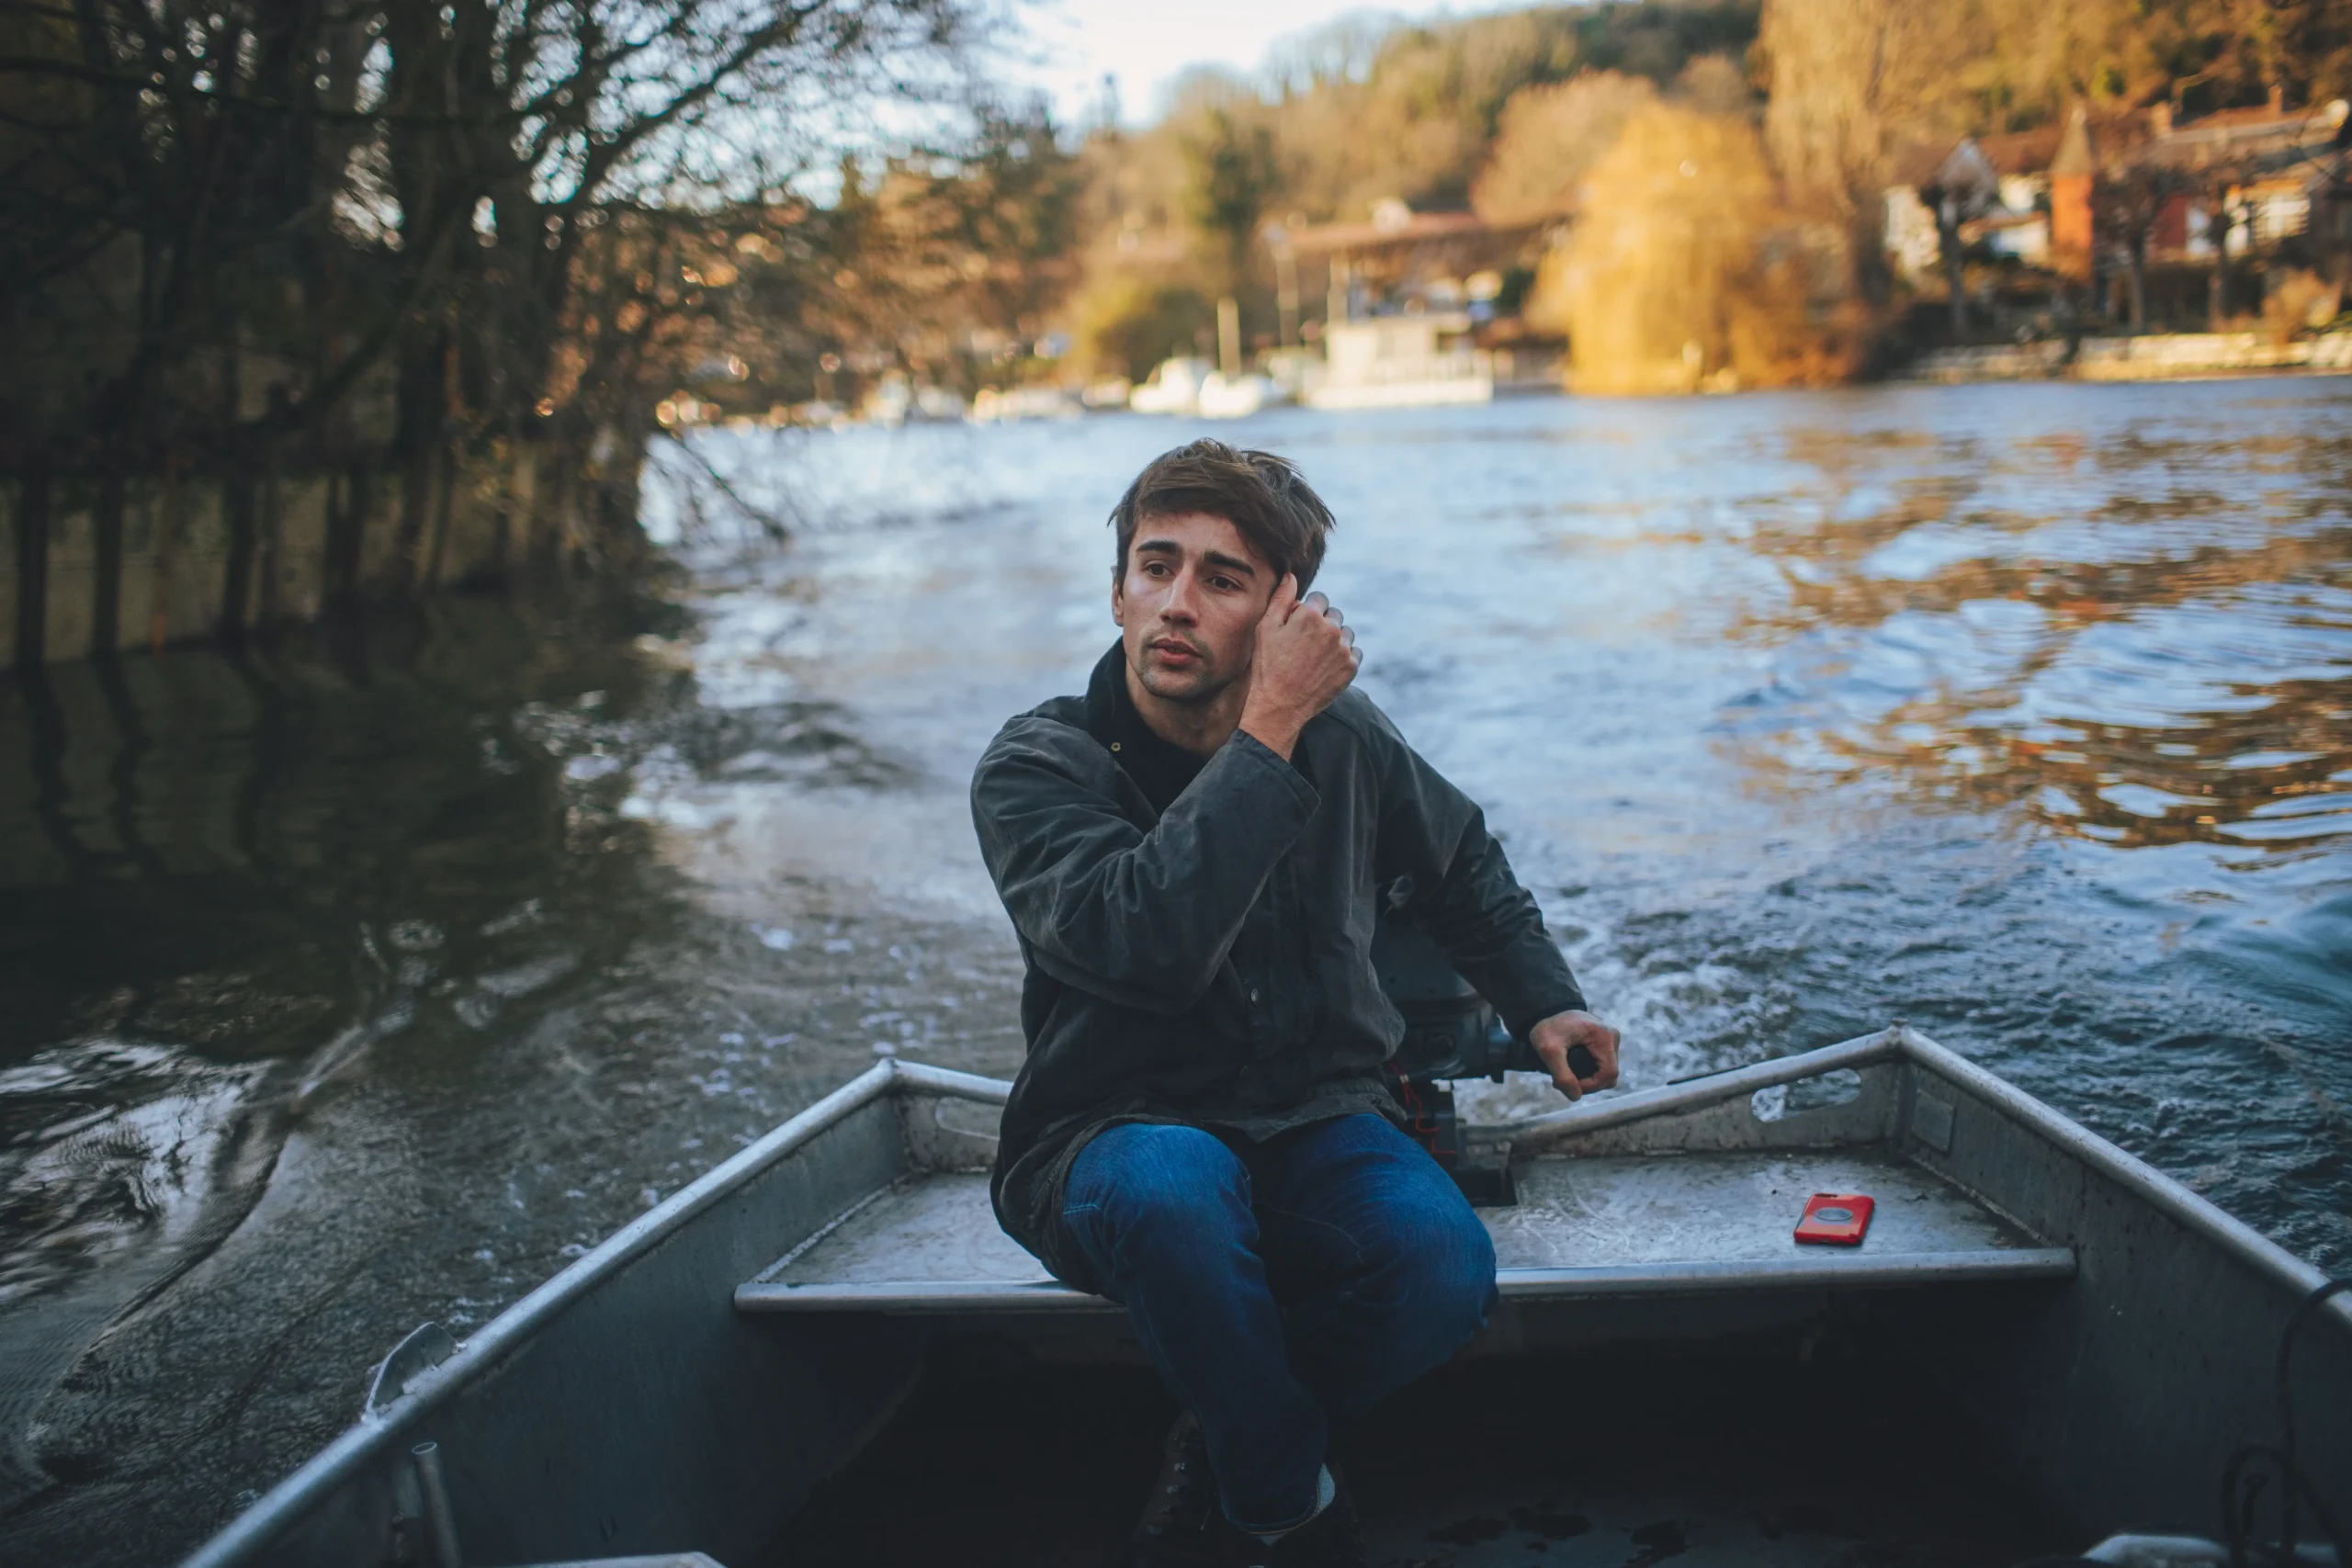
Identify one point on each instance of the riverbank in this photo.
(2149, 356)
(96, 562)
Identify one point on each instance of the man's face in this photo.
(1188, 605)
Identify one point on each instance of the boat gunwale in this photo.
(1899, 1041)
(1863, 1050)
(2170, 1197)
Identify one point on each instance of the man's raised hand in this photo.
(1554, 1036)
(1306, 657)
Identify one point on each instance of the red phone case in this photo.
(1835, 1219)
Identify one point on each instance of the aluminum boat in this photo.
(825, 1350)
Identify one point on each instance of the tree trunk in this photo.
(167, 538)
(270, 531)
(32, 563)
(106, 584)
(1955, 266)
(2139, 283)
(2217, 287)
(237, 576)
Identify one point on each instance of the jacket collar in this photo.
(1161, 770)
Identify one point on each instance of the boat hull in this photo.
(2113, 1339)
(1433, 393)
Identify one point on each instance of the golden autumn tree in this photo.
(1684, 270)
(1550, 138)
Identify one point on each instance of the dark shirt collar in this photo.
(1159, 768)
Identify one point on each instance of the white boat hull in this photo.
(1403, 394)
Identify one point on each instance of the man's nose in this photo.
(1181, 604)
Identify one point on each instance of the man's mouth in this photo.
(1173, 653)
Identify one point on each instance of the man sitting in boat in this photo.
(1194, 854)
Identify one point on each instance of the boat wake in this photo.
(124, 1163)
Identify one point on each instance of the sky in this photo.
(1146, 44)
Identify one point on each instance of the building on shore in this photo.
(1416, 308)
(2134, 217)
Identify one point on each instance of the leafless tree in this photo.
(2126, 203)
(316, 223)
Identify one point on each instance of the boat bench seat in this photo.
(1590, 1226)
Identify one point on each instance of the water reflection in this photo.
(2163, 665)
(348, 984)
(119, 1145)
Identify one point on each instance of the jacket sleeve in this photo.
(1458, 885)
(1143, 920)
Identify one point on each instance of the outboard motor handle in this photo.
(1451, 1032)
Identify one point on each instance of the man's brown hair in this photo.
(1261, 495)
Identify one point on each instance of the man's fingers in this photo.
(1602, 1040)
(1554, 1057)
(1559, 1039)
(1324, 607)
(1286, 599)
(1564, 1078)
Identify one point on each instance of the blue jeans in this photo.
(1279, 1286)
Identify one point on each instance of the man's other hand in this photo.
(1552, 1039)
(1306, 656)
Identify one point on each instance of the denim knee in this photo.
(1148, 1194)
(1436, 1261)
(1470, 1273)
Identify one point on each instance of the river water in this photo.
(368, 976)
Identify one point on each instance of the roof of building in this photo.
(2022, 152)
(2254, 136)
(2258, 115)
(2076, 156)
(1389, 229)
(2255, 141)
(2032, 152)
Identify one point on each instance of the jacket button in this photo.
(1253, 993)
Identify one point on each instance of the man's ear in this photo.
(1119, 600)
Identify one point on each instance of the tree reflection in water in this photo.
(2161, 667)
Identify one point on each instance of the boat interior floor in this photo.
(1757, 1460)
